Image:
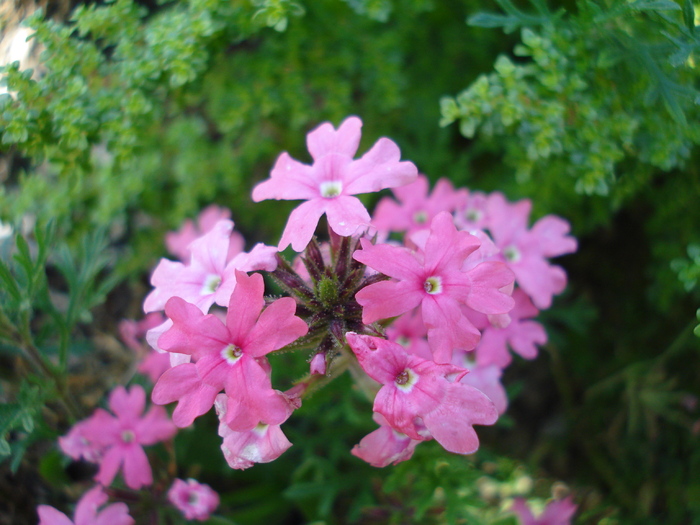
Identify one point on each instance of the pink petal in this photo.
(486, 296)
(388, 299)
(86, 509)
(244, 308)
(115, 514)
(109, 466)
(276, 328)
(289, 180)
(347, 216)
(155, 427)
(551, 234)
(301, 224)
(324, 139)
(50, 516)
(393, 261)
(209, 252)
(137, 470)
(128, 406)
(378, 169)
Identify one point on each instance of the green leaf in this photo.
(5, 449)
(655, 5)
(8, 281)
(689, 15)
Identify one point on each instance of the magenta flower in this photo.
(385, 446)
(434, 278)
(122, 437)
(526, 250)
(195, 500)
(261, 444)
(419, 395)
(557, 512)
(416, 208)
(86, 512)
(328, 185)
(229, 356)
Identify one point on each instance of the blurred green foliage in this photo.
(141, 113)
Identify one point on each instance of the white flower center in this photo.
(231, 354)
(331, 189)
(474, 214)
(511, 253)
(128, 436)
(406, 380)
(420, 217)
(403, 341)
(433, 285)
(211, 283)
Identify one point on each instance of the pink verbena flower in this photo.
(557, 512)
(261, 444)
(151, 362)
(229, 356)
(522, 334)
(419, 395)
(526, 250)
(385, 446)
(122, 437)
(486, 378)
(178, 242)
(435, 279)
(328, 185)
(210, 276)
(86, 512)
(416, 208)
(76, 444)
(195, 500)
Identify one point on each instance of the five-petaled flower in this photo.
(328, 185)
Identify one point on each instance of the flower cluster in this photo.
(427, 320)
(465, 284)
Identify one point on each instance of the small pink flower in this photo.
(385, 446)
(419, 395)
(178, 242)
(76, 445)
(229, 356)
(195, 500)
(328, 185)
(526, 250)
(86, 512)
(557, 512)
(122, 437)
(318, 364)
(261, 444)
(435, 279)
(415, 209)
(522, 334)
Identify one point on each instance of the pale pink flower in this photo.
(122, 437)
(328, 185)
(195, 500)
(178, 242)
(522, 334)
(86, 512)
(151, 363)
(385, 446)
(229, 356)
(435, 280)
(76, 445)
(261, 444)
(557, 512)
(472, 212)
(419, 395)
(486, 378)
(526, 250)
(416, 208)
